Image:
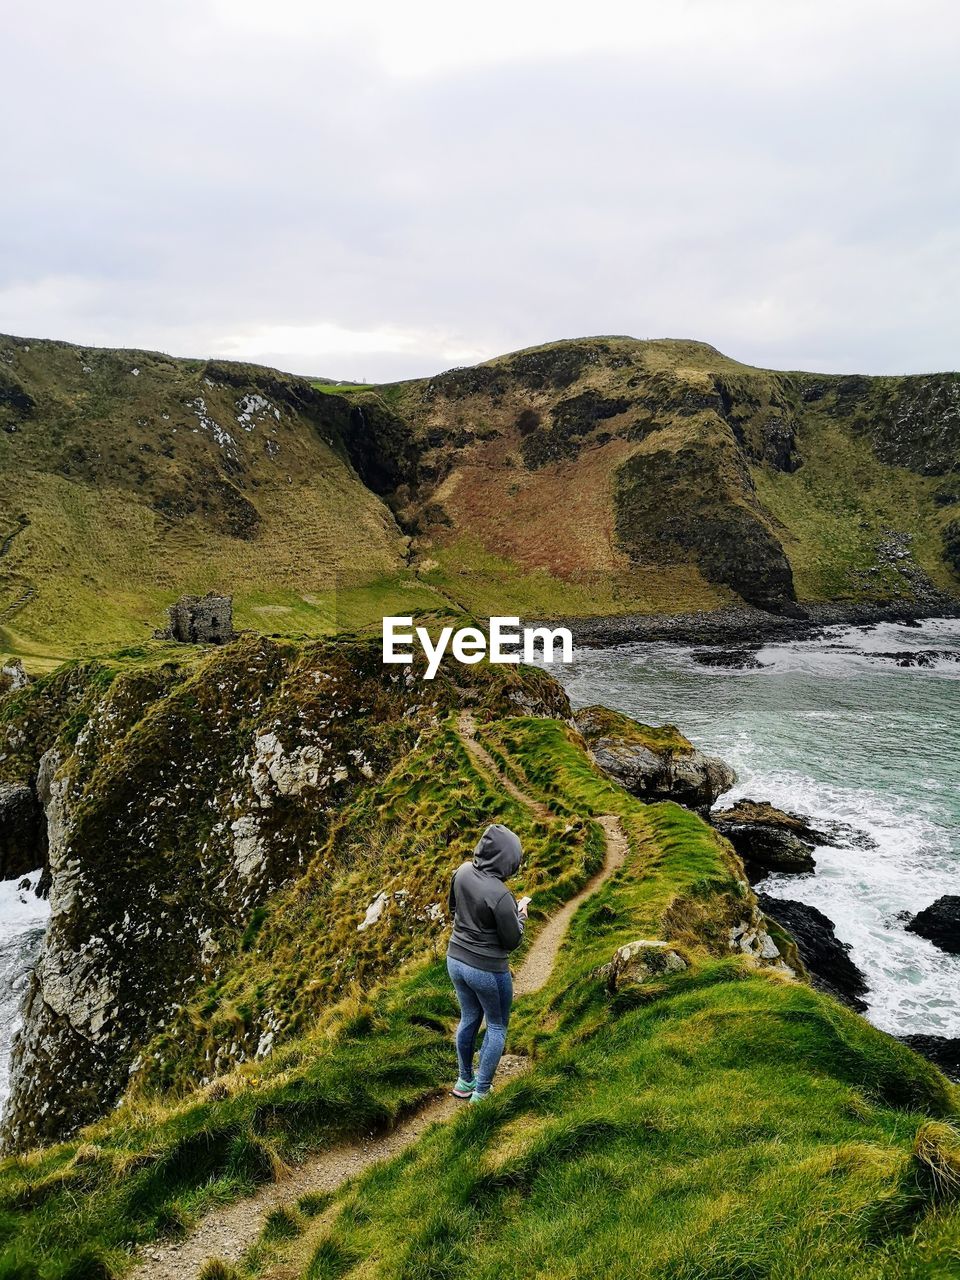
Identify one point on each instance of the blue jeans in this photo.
(481, 995)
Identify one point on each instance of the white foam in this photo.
(830, 729)
(23, 920)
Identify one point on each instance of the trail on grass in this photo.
(228, 1233)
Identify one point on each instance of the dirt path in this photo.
(539, 960)
(228, 1233)
(467, 728)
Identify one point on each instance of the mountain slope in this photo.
(128, 478)
(617, 474)
(594, 476)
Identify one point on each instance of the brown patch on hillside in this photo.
(558, 518)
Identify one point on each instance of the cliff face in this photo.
(177, 801)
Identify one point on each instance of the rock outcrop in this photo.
(940, 922)
(23, 843)
(825, 957)
(768, 839)
(653, 763)
(730, 659)
(638, 962)
(177, 801)
(944, 1051)
(13, 676)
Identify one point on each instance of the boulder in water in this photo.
(768, 839)
(940, 922)
(653, 763)
(825, 957)
(918, 657)
(732, 659)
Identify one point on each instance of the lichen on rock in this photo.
(638, 962)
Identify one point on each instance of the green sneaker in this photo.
(464, 1088)
(476, 1096)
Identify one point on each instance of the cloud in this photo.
(379, 191)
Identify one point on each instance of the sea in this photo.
(837, 730)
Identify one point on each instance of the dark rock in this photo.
(841, 835)
(918, 657)
(940, 922)
(813, 391)
(745, 624)
(826, 958)
(658, 519)
(23, 831)
(736, 659)
(768, 839)
(951, 544)
(653, 763)
(942, 1051)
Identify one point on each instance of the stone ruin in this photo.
(200, 620)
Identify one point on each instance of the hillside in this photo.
(128, 478)
(595, 476)
(243, 975)
(615, 475)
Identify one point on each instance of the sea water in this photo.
(832, 729)
(23, 919)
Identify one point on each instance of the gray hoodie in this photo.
(486, 926)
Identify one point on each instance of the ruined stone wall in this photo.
(201, 619)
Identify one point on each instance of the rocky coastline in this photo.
(744, 625)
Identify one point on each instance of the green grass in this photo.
(723, 1121)
(731, 1125)
(838, 506)
(485, 583)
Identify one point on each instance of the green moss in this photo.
(605, 723)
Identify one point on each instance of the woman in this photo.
(487, 926)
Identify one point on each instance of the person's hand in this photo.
(522, 908)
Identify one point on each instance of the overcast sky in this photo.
(373, 191)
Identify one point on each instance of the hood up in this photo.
(498, 852)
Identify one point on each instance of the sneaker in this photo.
(464, 1088)
(477, 1096)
